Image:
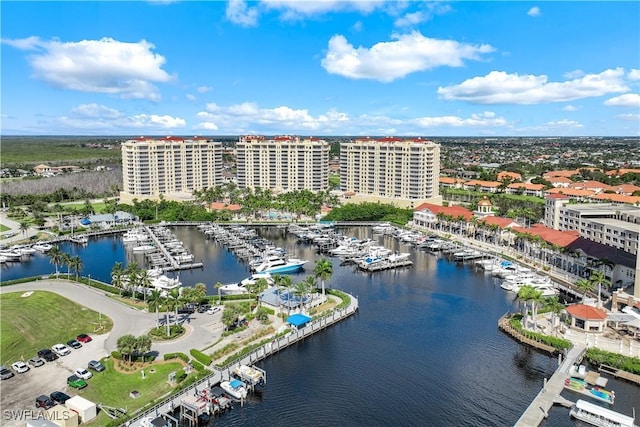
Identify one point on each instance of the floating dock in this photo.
(385, 265)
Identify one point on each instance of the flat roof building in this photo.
(171, 166)
(401, 171)
(283, 163)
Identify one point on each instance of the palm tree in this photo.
(323, 271)
(585, 286)
(260, 285)
(24, 227)
(143, 345)
(145, 281)
(117, 277)
(218, 285)
(127, 345)
(65, 258)
(598, 278)
(528, 293)
(55, 257)
(75, 264)
(555, 306)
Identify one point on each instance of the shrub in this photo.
(199, 366)
(116, 355)
(596, 356)
(557, 343)
(200, 357)
(182, 356)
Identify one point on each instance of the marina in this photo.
(425, 297)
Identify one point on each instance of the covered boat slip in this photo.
(598, 416)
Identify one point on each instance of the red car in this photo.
(84, 338)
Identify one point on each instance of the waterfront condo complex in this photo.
(283, 163)
(401, 171)
(170, 166)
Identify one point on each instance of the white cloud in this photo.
(248, 117)
(498, 87)
(204, 89)
(570, 108)
(428, 11)
(573, 74)
(95, 111)
(101, 118)
(297, 9)
(633, 75)
(387, 61)
(239, 13)
(631, 100)
(534, 11)
(564, 123)
(103, 66)
(357, 27)
(630, 117)
(190, 97)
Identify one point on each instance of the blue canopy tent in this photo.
(298, 320)
(85, 221)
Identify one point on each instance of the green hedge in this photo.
(557, 343)
(22, 280)
(178, 355)
(596, 356)
(198, 366)
(200, 357)
(116, 355)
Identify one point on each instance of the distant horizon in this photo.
(333, 68)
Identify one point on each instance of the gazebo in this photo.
(587, 318)
(298, 320)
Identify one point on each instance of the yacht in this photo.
(234, 388)
(596, 415)
(42, 247)
(241, 287)
(280, 266)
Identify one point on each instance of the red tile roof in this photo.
(556, 196)
(549, 235)
(586, 312)
(218, 206)
(500, 221)
(454, 211)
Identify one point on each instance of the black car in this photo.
(95, 365)
(44, 402)
(47, 355)
(202, 308)
(186, 310)
(59, 397)
(74, 344)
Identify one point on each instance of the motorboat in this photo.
(11, 255)
(398, 257)
(241, 287)
(42, 247)
(251, 375)
(234, 388)
(277, 265)
(165, 283)
(598, 416)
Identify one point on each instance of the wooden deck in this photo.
(618, 373)
(505, 326)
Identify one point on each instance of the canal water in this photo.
(423, 350)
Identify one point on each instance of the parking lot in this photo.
(20, 391)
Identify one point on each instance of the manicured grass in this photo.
(112, 388)
(4, 228)
(98, 207)
(40, 321)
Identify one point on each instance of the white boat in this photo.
(11, 255)
(42, 247)
(398, 257)
(235, 388)
(241, 287)
(165, 283)
(251, 375)
(596, 415)
(144, 248)
(133, 237)
(24, 250)
(280, 266)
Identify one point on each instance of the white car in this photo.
(213, 310)
(83, 373)
(20, 367)
(61, 349)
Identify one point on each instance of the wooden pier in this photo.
(539, 408)
(385, 265)
(618, 373)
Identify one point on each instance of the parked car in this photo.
(186, 310)
(61, 349)
(96, 366)
(83, 373)
(76, 382)
(59, 397)
(213, 310)
(84, 338)
(74, 344)
(5, 373)
(44, 402)
(47, 355)
(20, 367)
(202, 308)
(36, 361)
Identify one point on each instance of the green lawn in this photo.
(112, 388)
(4, 228)
(40, 321)
(20, 150)
(98, 207)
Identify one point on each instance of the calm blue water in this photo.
(424, 349)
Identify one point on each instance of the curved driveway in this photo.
(202, 329)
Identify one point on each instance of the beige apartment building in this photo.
(403, 172)
(283, 163)
(170, 166)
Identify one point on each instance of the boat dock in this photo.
(227, 372)
(164, 258)
(539, 408)
(628, 376)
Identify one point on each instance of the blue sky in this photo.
(321, 68)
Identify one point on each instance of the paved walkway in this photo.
(15, 228)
